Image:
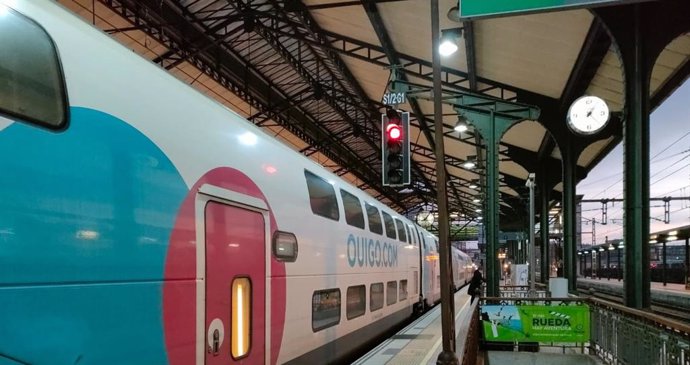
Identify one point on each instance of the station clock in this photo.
(588, 115)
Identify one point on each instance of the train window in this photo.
(416, 233)
(391, 292)
(325, 309)
(403, 290)
(376, 299)
(356, 301)
(285, 246)
(31, 80)
(412, 235)
(374, 219)
(353, 209)
(241, 317)
(416, 282)
(322, 197)
(390, 226)
(401, 230)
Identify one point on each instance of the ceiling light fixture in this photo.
(449, 41)
(461, 125)
(470, 163)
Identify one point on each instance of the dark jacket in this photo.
(476, 282)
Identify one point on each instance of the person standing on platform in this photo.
(475, 284)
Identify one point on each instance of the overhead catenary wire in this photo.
(652, 160)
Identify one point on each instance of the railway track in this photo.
(657, 307)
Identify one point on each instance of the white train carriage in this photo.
(143, 223)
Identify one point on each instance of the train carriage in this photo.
(143, 223)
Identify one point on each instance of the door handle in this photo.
(216, 343)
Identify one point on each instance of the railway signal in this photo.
(395, 147)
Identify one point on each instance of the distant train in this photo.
(142, 223)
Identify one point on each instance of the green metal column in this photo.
(663, 268)
(491, 118)
(619, 271)
(491, 216)
(687, 263)
(608, 264)
(487, 127)
(569, 247)
(636, 186)
(544, 228)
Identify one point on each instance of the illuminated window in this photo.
(376, 299)
(356, 301)
(241, 317)
(31, 80)
(325, 309)
(391, 292)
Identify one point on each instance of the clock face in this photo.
(588, 115)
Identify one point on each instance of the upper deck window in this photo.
(322, 197)
(353, 209)
(402, 236)
(390, 226)
(32, 86)
(412, 235)
(374, 219)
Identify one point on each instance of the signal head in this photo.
(394, 132)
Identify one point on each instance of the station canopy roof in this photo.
(313, 73)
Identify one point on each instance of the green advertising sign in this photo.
(470, 9)
(535, 323)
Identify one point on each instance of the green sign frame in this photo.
(536, 323)
(475, 9)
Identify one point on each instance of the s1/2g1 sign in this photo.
(394, 98)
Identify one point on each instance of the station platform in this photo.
(421, 342)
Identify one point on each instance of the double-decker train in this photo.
(143, 223)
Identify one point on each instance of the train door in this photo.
(235, 287)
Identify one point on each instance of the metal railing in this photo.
(469, 356)
(521, 291)
(622, 335)
(618, 334)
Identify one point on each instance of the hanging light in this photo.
(470, 162)
(461, 125)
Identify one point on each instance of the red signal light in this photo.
(394, 132)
